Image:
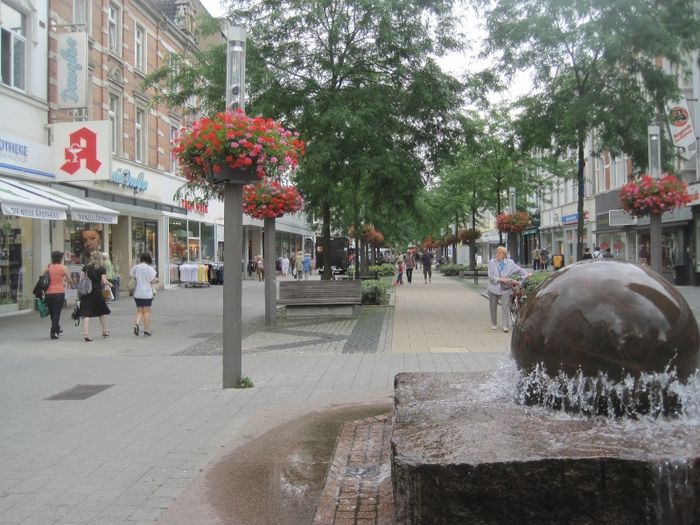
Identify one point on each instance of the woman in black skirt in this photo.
(94, 304)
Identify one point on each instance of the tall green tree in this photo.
(594, 67)
(357, 80)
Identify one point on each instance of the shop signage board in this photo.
(681, 127)
(72, 62)
(82, 150)
(19, 156)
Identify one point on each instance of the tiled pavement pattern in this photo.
(367, 333)
(358, 487)
(124, 455)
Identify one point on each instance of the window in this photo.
(140, 134)
(173, 157)
(140, 49)
(114, 28)
(115, 121)
(13, 45)
(81, 12)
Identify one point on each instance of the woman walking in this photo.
(93, 304)
(56, 292)
(410, 264)
(501, 270)
(145, 276)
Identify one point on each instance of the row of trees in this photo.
(389, 138)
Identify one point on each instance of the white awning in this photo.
(17, 199)
(79, 209)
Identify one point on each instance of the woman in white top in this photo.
(145, 276)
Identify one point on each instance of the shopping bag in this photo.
(42, 307)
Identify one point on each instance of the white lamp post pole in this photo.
(233, 221)
(654, 141)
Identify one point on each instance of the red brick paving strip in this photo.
(358, 486)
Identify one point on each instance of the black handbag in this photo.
(42, 285)
(75, 314)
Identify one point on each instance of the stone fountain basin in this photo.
(463, 452)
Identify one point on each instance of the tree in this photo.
(594, 67)
(357, 80)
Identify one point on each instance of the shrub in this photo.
(382, 269)
(535, 280)
(373, 292)
(453, 269)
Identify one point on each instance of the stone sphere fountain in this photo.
(594, 419)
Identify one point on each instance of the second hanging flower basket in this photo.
(512, 222)
(270, 199)
(649, 196)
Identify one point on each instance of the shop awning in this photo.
(79, 209)
(17, 199)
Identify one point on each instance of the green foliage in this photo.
(535, 280)
(382, 269)
(373, 292)
(453, 269)
(244, 382)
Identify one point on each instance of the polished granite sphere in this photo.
(606, 316)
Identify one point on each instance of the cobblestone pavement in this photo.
(358, 487)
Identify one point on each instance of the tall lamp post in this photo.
(233, 220)
(654, 142)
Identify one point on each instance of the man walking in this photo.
(427, 267)
(536, 259)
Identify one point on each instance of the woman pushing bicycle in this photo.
(501, 281)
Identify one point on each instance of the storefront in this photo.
(629, 239)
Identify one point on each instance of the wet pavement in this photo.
(165, 437)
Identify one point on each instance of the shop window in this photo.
(208, 242)
(13, 45)
(16, 278)
(80, 240)
(144, 238)
(177, 240)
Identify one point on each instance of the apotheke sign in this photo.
(21, 156)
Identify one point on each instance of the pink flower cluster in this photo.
(270, 199)
(512, 222)
(648, 196)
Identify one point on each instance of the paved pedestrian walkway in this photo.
(134, 430)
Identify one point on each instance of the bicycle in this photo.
(517, 299)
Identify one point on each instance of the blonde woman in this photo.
(93, 304)
(501, 271)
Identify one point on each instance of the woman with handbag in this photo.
(93, 304)
(145, 276)
(56, 292)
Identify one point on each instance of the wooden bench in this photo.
(320, 298)
(474, 274)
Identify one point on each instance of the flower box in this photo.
(233, 175)
(649, 196)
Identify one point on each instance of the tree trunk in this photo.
(581, 187)
(327, 256)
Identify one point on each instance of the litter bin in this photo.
(680, 275)
(115, 289)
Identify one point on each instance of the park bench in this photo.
(320, 298)
(474, 274)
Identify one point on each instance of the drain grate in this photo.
(78, 393)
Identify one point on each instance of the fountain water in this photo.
(593, 420)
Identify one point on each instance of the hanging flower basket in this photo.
(469, 234)
(449, 239)
(648, 196)
(512, 222)
(270, 199)
(428, 243)
(232, 147)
